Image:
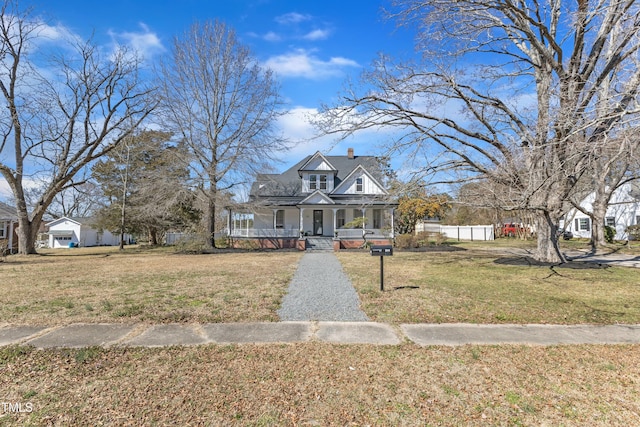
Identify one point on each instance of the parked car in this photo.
(566, 234)
(512, 230)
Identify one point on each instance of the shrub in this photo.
(634, 232)
(404, 241)
(439, 238)
(609, 233)
(421, 239)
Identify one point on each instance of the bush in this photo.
(634, 232)
(423, 238)
(404, 241)
(609, 233)
(193, 243)
(428, 238)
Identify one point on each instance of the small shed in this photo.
(64, 232)
(70, 232)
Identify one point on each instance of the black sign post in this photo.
(381, 251)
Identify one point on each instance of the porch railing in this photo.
(264, 232)
(347, 233)
(356, 233)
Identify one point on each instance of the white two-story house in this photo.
(338, 198)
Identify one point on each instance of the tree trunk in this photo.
(597, 222)
(153, 236)
(548, 249)
(211, 218)
(27, 236)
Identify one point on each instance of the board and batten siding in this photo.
(349, 185)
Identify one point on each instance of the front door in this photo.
(317, 223)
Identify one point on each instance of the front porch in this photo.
(349, 227)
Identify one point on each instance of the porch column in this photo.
(229, 213)
(300, 229)
(335, 214)
(393, 225)
(275, 214)
(11, 236)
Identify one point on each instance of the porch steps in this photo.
(319, 244)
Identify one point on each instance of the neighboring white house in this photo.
(8, 225)
(623, 211)
(67, 232)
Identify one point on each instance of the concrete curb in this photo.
(369, 333)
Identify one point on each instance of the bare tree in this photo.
(79, 201)
(511, 92)
(224, 105)
(57, 122)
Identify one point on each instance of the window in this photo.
(3, 229)
(313, 182)
(610, 221)
(583, 224)
(323, 182)
(340, 218)
(377, 218)
(280, 218)
(637, 219)
(359, 186)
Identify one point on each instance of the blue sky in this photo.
(313, 46)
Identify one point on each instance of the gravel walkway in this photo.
(321, 291)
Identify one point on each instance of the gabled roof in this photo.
(7, 212)
(358, 170)
(287, 183)
(317, 198)
(317, 156)
(62, 219)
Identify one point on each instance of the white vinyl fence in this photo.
(462, 232)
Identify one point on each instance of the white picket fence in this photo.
(461, 232)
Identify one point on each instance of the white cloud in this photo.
(272, 37)
(5, 190)
(54, 33)
(292, 18)
(296, 126)
(301, 63)
(144, 42)
(317, 35)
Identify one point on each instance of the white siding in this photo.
(622, 207)
(264, 219)
(318, 164)
(306, 188)
(369, 186)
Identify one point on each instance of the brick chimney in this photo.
(350, 153)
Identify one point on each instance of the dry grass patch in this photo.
(477, 287)
(322, 384)
(152, 285)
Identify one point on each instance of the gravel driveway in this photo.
(320, 291)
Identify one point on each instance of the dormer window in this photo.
(319, 182)
(323, 182)
(359, 186)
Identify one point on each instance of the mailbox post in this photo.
(381, 251)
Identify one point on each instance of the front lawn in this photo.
(319, 384)
(94, 285)
(478, 286)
